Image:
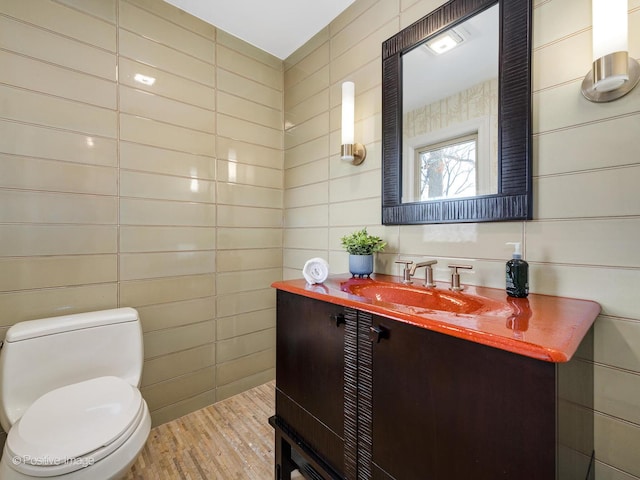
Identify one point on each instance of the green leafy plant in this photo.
(361, 243)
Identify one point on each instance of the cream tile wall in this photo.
(584, 239)
(167, 198)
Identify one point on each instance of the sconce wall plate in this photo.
(616, 63)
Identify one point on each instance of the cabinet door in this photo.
(310, 373)
(449, 408)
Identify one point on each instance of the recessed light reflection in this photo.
(445, 42)
(231, 172)
(143, 79)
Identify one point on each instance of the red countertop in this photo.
(540, 326)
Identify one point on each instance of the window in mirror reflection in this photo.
(447, 170)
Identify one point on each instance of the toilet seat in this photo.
(74, 426)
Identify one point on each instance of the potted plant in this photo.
(361, 246)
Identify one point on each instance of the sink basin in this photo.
(423, 298)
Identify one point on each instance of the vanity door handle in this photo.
(338, 318)
(378, 333)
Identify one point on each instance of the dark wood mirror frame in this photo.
(514, 198)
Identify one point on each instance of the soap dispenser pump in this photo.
(517, 274)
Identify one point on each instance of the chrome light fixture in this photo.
(350, 151)
(614, 73)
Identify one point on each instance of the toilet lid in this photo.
(70, 422)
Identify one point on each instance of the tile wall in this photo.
(584, 239)
(165, 197)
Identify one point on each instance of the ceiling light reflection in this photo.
(143, 79)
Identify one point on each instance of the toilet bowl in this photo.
(69, 398)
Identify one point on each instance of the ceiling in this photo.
(279, 27)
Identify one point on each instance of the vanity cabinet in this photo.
(445, 408)
(362, 396)
(310, 378)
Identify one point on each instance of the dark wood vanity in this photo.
(367, 390)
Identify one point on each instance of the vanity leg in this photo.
(283, 463)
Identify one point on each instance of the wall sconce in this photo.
(614, 73)
(350, 151)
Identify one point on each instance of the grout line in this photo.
(119, 173)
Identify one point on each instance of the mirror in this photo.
(456, 115)
(450, 120)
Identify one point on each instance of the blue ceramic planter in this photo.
(361, 265)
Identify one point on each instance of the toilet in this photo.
(69, 397)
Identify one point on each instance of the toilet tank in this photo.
(40, 355)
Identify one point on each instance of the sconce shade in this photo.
(610, 30)
(348, 112)
(614, 73)
(610, 27)
(350, 151)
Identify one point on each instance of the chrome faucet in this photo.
(428, 272)
(455, 277)
(410, 270)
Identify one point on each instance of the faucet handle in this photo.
(456, 267)
(406, 273)
(405, 262)
(455, 277)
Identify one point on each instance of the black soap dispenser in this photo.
(517, 274)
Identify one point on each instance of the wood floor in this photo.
(228, 440)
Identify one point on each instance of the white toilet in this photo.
(69, 397)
